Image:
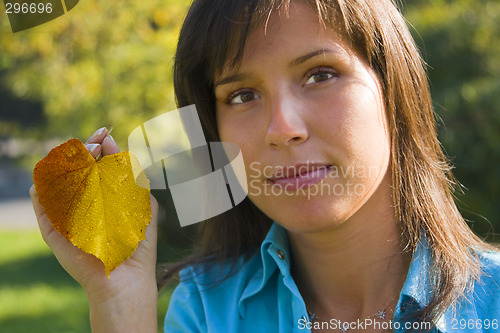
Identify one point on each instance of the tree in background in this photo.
(460, 41)
(102, 63)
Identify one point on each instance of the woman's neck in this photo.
(354, 269)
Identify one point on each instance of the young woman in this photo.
(349, 224)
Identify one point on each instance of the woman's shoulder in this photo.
(490, 263)
(217, 273)
(256, 264)
(487, 288)
(207, 293)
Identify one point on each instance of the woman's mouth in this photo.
(299, 176)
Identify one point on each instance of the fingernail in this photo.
(99, 131)
(92, 147)
(111, 138)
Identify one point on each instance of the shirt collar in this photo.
(275, 254)
(418, 281)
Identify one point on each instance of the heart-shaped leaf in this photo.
(96, 205)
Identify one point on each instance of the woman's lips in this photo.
(298, 177)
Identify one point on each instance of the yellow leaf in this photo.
(96, 205)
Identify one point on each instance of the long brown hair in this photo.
(213, 36)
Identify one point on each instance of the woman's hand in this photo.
(127, 301)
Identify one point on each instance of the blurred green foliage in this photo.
(111, 63)
(460, 41)
(102, 63)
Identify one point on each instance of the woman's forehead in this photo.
(281, 31)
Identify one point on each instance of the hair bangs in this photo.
(234, 23)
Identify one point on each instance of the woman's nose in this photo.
(286, 125)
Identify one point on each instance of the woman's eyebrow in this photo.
(306, 57)
(240, 77)
(231, 79)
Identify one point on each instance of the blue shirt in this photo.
(261, 296)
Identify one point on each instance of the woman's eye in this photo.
(241, 97)
(320, 76)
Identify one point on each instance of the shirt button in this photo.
(281, 255)
(403, 307)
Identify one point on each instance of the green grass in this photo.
(37, 295)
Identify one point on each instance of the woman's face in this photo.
(309, 117)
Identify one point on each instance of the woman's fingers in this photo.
(98, 136)
(94, 149)
(93, 144)
(34, 199)
(46, 228)
(101, 143)
(109, 146)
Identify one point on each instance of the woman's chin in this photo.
(303, 214)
